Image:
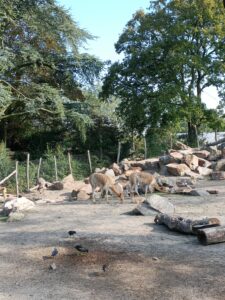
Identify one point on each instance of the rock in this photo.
(191, 161)
(177, 156)
(198, 192)
(204, 171)
(204, 163)
(15, 216)
(57, 186)
(68, 181)
(19, 204)
(185, 182)
(116, 169)
(98, 170)
(82, 195)
(218, 175)
(160, 204)
(52, 267)
(220, 165)
(165, 181)
(155, 258)
(110, 173)
(144, 210)
(178, 169)
(202, 153)
(180, 146)
(223, 152)
(167, 159)
(151, 164)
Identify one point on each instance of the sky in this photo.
(106, 20)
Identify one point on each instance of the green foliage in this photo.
(42, 70)
(171, 54)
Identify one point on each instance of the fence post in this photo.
(118, 153)
(39, 167)
(89, 160)
(145, 145)
(17, 183)
(70, 166)
(56, 171)
(28, 173)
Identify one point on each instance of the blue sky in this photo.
(106, 19)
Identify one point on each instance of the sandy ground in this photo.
(145, 261)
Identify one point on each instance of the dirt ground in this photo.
(144, 260)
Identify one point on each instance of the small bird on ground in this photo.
(105, 267)
(71, 232)
(54, 252)
(81, 248)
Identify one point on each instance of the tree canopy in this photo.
(171, 54)
(42, 71)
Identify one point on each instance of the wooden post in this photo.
(6, 178)
(145, 146)
(118, 153)
(17, 183)
(89, 160)
(28, 175)
(70, 166)
(56, 171)
(39, 167)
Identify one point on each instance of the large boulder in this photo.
(180, 146)
(18, 204)
(218, 175)
(160, 204)
(110, 173)
(116, 169)
(191, 161)
(68, 182)
(204, 163)
(220, 165)
(202, 153)
(204, 171)
(178, 169)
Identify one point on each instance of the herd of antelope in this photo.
(138, 179)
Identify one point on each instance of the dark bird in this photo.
(105, 267)
(81, 248)
(71, 232)
(54, 252)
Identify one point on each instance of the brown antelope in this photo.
(106, 184)
(143, 179)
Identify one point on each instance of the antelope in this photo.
(143, 179)
(106, 184)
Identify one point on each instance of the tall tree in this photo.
(41, 67)
(171, 54)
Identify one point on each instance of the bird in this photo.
(105, 267)
(71, 232)
(54, 252)
(81, 248)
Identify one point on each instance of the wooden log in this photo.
(216, 143)
(6, 178)
(212, 235)
(184, 225)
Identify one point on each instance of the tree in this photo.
(171, 54)
(41, 68)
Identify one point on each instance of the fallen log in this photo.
(210, 236)
(216, 143)
(184, 225)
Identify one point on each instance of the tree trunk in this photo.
(192, 138)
